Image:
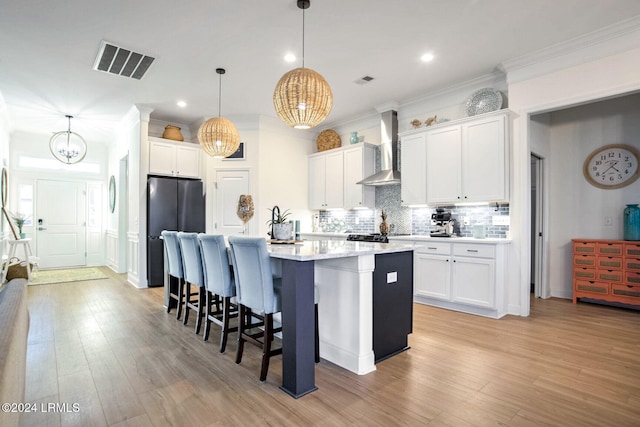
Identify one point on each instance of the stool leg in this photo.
(207, 313)
(241, 326)
(200, 310)
(226, 311)
(187, 301)
(266, 347)
(180, 297)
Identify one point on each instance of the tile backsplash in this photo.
(416, 221)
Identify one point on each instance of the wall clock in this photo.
(112, 193)
(612, 166)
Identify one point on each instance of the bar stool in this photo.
(220, 286)
(258, 295)
(192, 267)
(28, 255)
(173, 267)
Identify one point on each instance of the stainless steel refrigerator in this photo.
(172, 204)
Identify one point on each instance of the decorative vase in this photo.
(282, 231)
(22, 235)
(354, 138)
(632, 222)
(384, 226)
(172, 132)
(245, 211)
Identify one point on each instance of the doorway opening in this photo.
(538, 285)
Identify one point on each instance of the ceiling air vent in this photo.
(363, 80)
(124, 62)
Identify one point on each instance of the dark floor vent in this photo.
(117, 60)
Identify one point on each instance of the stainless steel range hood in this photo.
(389, 173)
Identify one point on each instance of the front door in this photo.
(230, 184)
(60, 223)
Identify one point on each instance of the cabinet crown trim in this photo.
(504, 112)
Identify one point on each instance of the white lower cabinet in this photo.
(432, 271)
(461, 276)
(473, 281)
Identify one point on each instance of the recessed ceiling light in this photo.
(181, 104)
(290, 57)
(427, 57)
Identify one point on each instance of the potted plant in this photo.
(19, 219)
(280, 229)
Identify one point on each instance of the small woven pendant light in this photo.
(218, 136)
(302, 98)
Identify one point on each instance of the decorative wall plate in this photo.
(484, 101)
(328, 139)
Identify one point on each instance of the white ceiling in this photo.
(47, 51)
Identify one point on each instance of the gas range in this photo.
(375, 238)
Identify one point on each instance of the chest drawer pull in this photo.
(472, 250)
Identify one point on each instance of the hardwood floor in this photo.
(114, 351)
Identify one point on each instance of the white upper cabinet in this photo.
(444, 165)
(174, 159)
(464, 161)
(333, 175)
(484, 160)
(359, 163)
(413, 158)
(326, 180)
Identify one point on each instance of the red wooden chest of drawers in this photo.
(607, 270)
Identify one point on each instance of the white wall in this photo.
(4, 162)
(576, 208)
(599, 79)
(276, 157)
(284, 173)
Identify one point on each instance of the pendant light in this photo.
(218, 136)
(68, 147)
(302, 97)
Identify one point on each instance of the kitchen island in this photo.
(343, 273)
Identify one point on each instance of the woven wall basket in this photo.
(328, 139)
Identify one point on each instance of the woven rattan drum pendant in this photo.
(218, 136)
(302, 97)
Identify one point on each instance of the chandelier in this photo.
(302, 98)
(218, 136)
(68, 147)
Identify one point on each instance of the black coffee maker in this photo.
(443, 223)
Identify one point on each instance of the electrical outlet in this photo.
(465, 220)
(608, 221)
(500, 220)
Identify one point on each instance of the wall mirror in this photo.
(112, 193)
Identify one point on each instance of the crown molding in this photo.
(495, 79)
(624, 35)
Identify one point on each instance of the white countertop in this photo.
(327, 249)
(417, 238)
